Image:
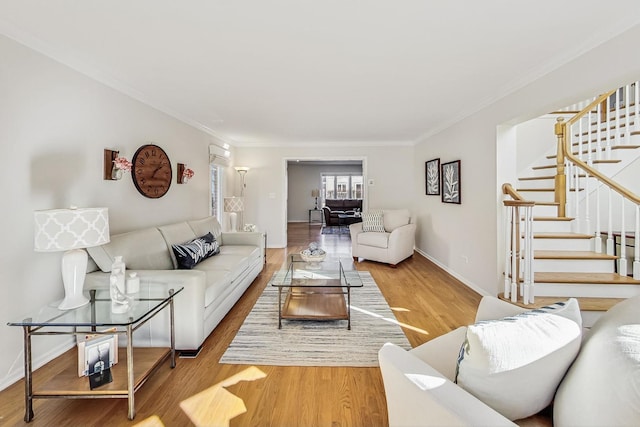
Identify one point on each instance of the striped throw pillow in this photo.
(373, 221)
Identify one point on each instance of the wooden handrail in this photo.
(561, 131)
(510, 191)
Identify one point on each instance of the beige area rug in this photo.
(317, 343)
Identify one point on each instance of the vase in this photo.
(185, 179)
(116, 173)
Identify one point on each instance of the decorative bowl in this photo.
(307, 257)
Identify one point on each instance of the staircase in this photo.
(564, 246)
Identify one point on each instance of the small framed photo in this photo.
(451, 182)
(97, 353)
(432, 177)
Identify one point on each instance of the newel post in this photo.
(560, 179)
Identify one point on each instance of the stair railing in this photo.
(518, 226)
(605, 111)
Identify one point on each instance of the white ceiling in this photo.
(265, 72)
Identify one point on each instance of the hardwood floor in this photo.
(428, 302)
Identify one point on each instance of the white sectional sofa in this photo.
(211, 288)
(600, 388)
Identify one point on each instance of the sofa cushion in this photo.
(235, 264)
(143, 249)
(515, 364)
(375, 239)
(250, 252)
(393, 219)
(203, 226)
(373, 221)
(177, 234)
(603, 385)
(191, 253)
(218, 285)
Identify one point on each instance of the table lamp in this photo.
(71, 230)
(315, 193)
(233, 205)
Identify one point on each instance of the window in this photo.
(342, 186)
(216, 172)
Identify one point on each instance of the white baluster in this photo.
(622, 262)
(627, 118)
(609, 224)
(608, 141)
(616, 140)
(598, 238)
(514, 255)
(636, 119)
(636, 246)
(599, 132)
(507, 251)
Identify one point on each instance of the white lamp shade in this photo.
(315, 193)
(233, 204)
(64, 229)
(71, 230)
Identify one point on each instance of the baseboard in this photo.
(464, 280)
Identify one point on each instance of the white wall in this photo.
(451, 234)
(302, 178)
(266, 182)
(54, 125)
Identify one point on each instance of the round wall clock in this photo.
(151, 171)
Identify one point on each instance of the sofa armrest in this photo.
(418, 395)
(253, 238)
(403, 236)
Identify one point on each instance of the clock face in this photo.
(151, 171)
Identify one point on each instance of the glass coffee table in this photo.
(316, 290)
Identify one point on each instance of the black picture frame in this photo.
(450, 182)
(432, 177)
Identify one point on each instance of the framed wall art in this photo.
(432, 177)
(451, 182)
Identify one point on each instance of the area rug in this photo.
(335, 229)
(317, 343)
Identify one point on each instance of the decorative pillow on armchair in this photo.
(373, 221)
(515, 364)
(191, 253)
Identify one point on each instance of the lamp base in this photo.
(233, 219)
(74, 269)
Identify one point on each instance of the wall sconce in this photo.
(184, 174)
(109, 157)
(114, 165)
(242, 170)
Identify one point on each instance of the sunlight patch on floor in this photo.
(216, 406)
(386, 319)
(399, 309)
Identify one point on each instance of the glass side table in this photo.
(95, 318)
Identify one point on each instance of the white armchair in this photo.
(390, 246)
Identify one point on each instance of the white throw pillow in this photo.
(515, 364)
(373, 221)
(602, 388)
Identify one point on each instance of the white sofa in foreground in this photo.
(211, 287)
(383, 235)
(600, 388)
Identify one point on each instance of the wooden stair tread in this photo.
(544, 167)
(537, 203)
(572, 255)
(534, 189)
(553, 218)
(550, 235)
(534, 178)
(586, 304)
(581, 278)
